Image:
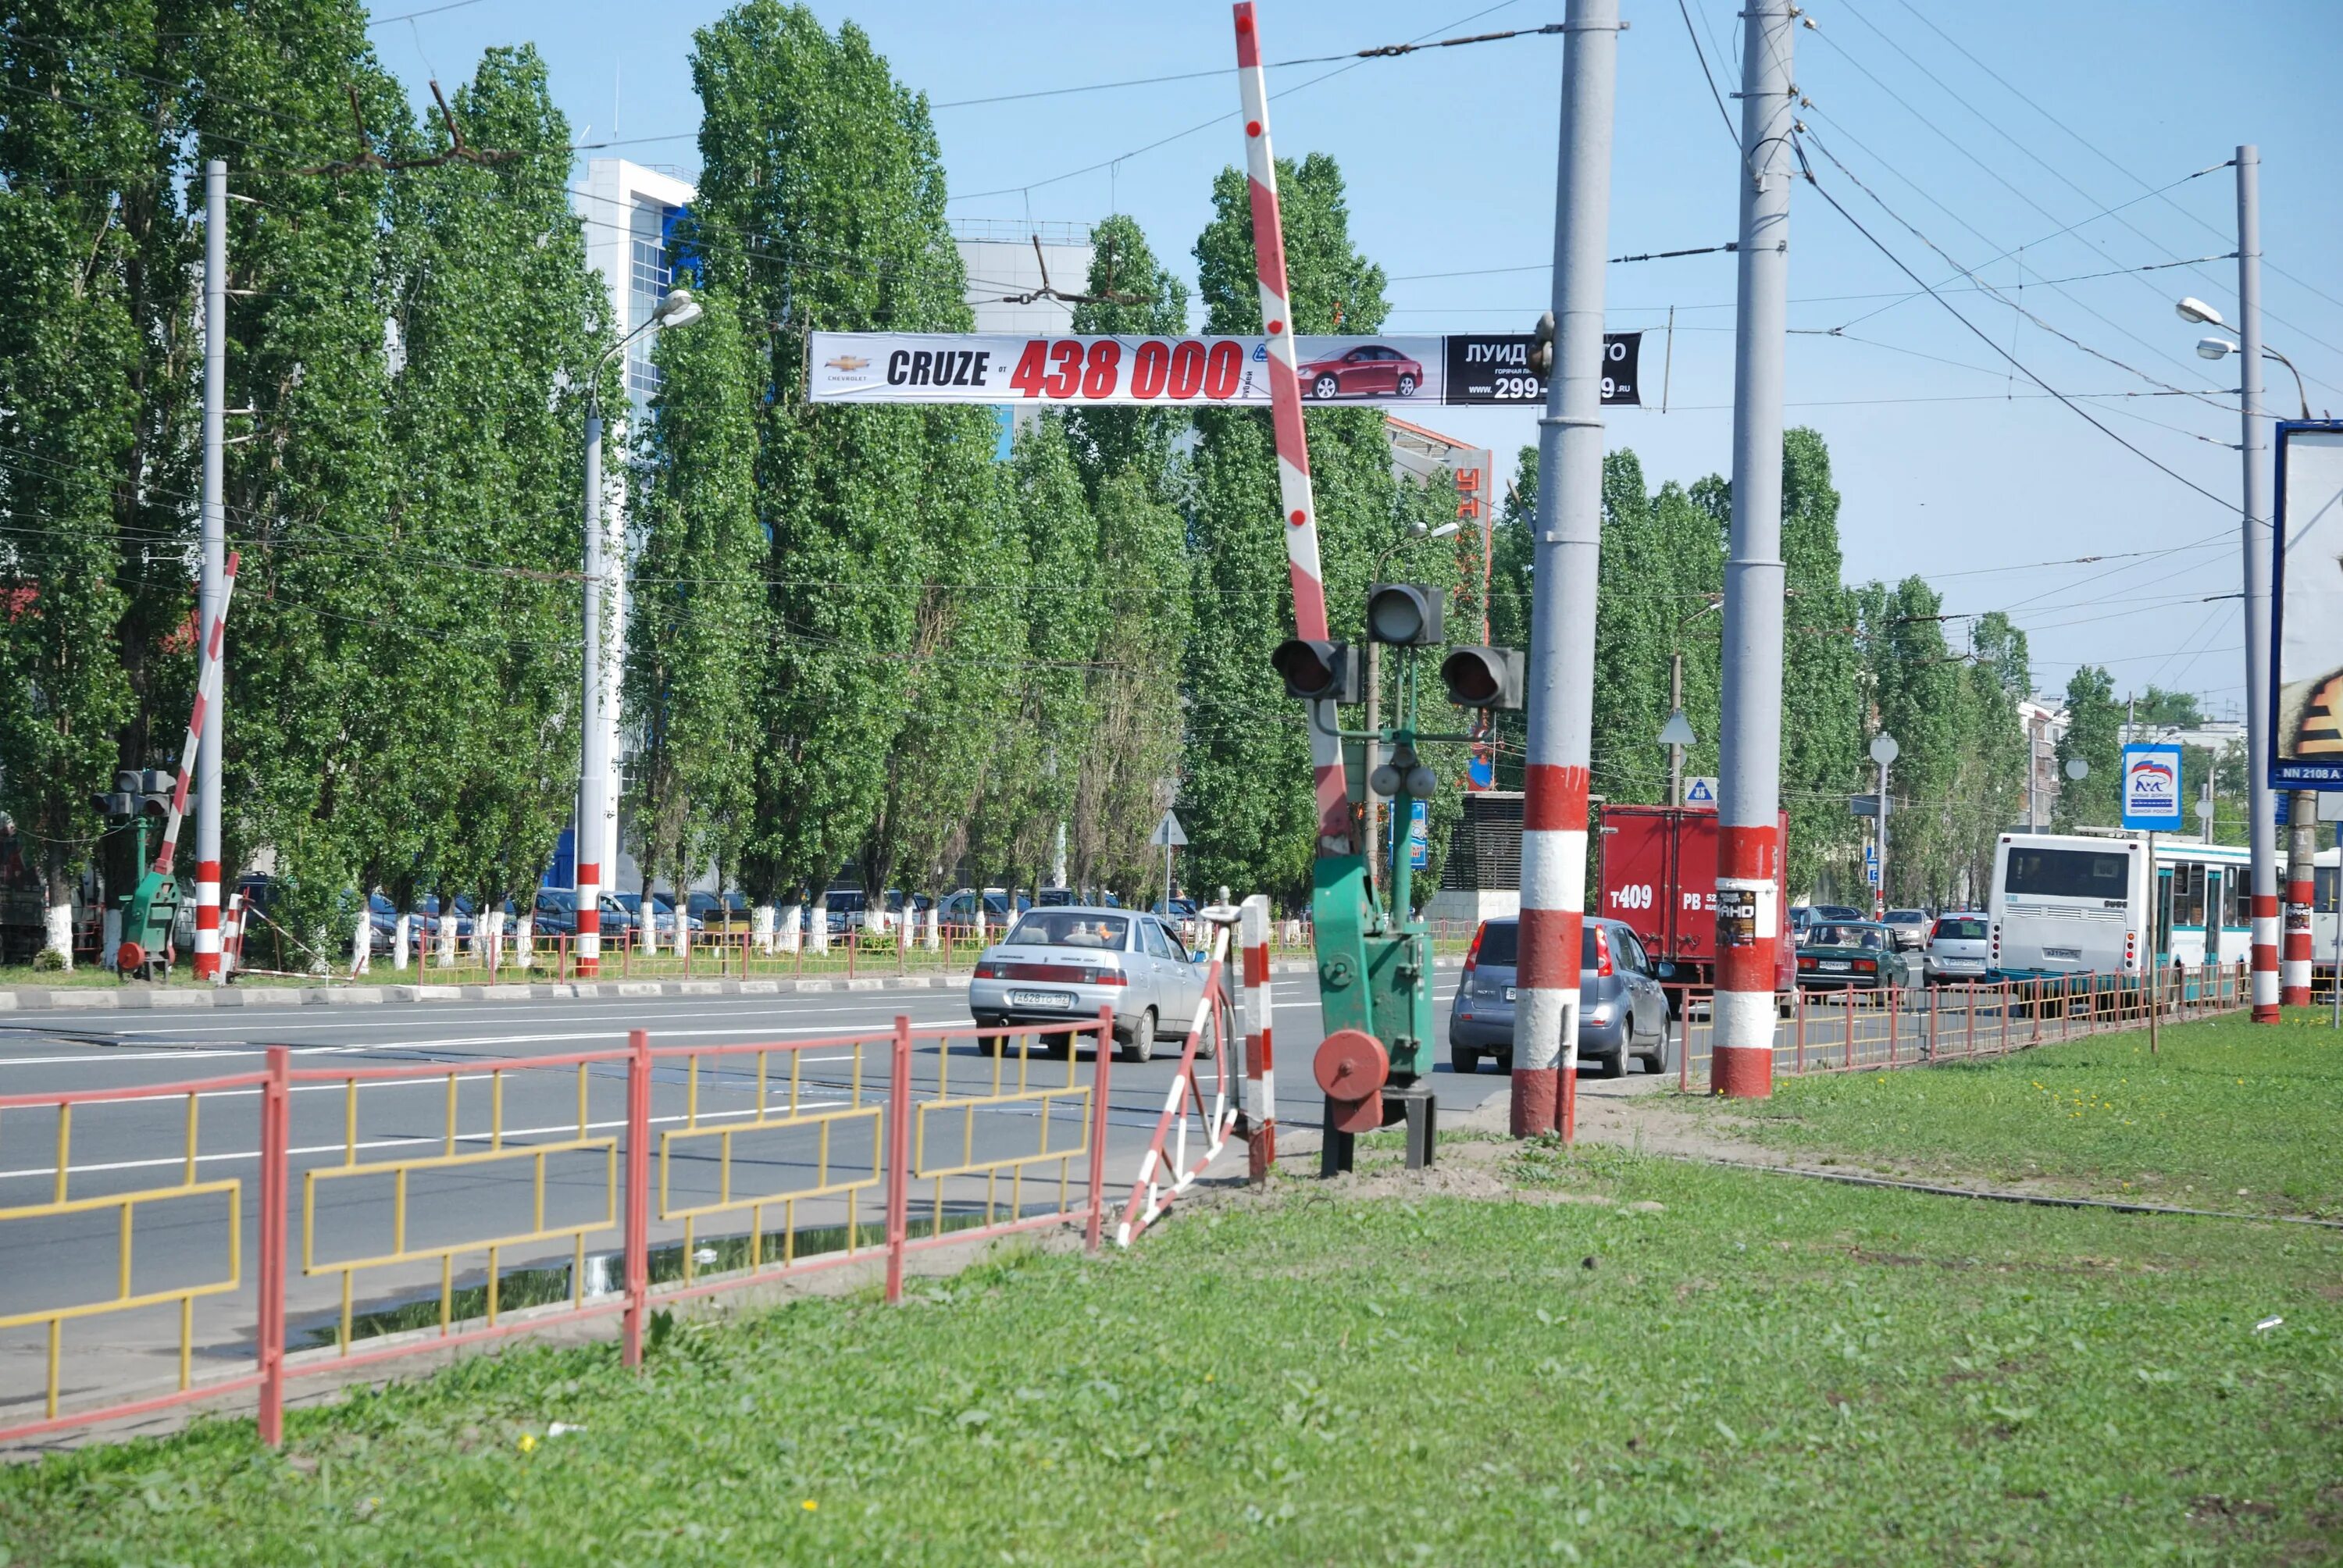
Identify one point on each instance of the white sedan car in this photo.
(1957, 948)
(1067, 962)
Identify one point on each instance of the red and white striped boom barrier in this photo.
(1294, 495)
(207, 691)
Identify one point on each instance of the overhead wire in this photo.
(1221, 118)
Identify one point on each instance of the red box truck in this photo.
(1658, 876)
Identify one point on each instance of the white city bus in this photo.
(2068, 903)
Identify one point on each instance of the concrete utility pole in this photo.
(1749, 848)
(209, 596)
(594, 805)
(1560, 695)
(2261, 810)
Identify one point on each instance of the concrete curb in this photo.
(137, 997)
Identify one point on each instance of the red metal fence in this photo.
(421, 1207)
(1834, 1031)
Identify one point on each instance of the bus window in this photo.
(2233, 915)
(2322, 901)
(2188, 893)
(2068, 874)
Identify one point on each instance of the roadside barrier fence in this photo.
(1842, 1029)
(303, 1221)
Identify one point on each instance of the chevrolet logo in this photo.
(846, 362)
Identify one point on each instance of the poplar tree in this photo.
(697, 621)
(822, 206)
(1823, 746)
(2094, 737)
(1245, 784)
(1136, 484)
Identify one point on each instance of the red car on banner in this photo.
(1368, 370)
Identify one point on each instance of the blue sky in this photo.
(1950, 464)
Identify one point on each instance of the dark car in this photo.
(719, 911)
(1621, 1010)
(1851, 955)
(1365, 370)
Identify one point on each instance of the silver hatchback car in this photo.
(1066, 963)
(1623, 1010)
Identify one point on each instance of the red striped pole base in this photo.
(589, 919)
(1537, 1096)
(1748, 876)
(2294, 968)
(2264, 958)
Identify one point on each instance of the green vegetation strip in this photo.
(1667, 1363)
(2227, 1115)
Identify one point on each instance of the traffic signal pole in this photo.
(211, 598)
(1560, 695)
(1749, 841)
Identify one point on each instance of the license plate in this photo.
(2071, 955)
(1509, 993)
(1039, 998)
(1835, 964)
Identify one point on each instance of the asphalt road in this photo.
(118, 1147)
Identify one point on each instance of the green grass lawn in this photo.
(1706, 1366)
(2225, 1105)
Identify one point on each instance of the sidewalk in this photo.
(136, 996)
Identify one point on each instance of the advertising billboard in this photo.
(2151, 788)
(2306, 728)
(1154, 372)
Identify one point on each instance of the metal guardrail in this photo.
(830, 1132)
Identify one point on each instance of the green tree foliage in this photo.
(2094, 736)
(70, 362)
(1245, 776)
(1136, 486)
(496, 324)
(1920, 694)
(822, 206)
(2166, 709)
(1822, 699)
(697, 621)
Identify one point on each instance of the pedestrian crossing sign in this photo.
(1700, 791)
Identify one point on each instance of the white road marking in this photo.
(455, 1017)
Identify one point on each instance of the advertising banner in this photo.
(2306, 728)
(2151, 788)
(1154, 372)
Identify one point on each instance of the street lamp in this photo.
(2221, 348)
(677, 309)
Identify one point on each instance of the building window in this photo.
(649, 274)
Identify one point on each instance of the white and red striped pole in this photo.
(1260, 1063)
(1285, 413)
(2302, 853)
(207, 872)
(1749, 732)
(1560, 698)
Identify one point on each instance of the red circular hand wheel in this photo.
(1350, 1065)
(129, 957)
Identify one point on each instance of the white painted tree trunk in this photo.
(524, 937)
(933, 940)
(447, 943)
(400, 935)
(682, 933)
(58, 936)
(109, 928)
(818, 927)
(361, 944)
(761, 928)
(792, 928)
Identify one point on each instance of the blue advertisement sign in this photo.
(1419, 834)
(2151, 788)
